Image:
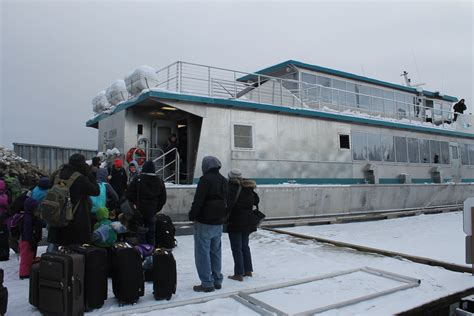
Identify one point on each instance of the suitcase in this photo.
(164, 232)
(164, 274)
(4, 244)
(127, 273)
(34, 284)
(95, 275)
(3, 295)
(61, 284)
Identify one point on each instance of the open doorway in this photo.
(187, 129)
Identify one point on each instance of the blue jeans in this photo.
(207, 253)
(239, 243)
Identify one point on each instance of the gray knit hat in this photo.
(235, 173)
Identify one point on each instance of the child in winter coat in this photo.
(104, 234)
(30, 236)
(4, 234)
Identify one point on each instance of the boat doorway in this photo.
(175, 161)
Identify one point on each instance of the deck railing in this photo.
(223, 83)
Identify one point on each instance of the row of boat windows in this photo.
(376, 147)
(361, 96)
(467, 154)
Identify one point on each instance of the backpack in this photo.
(165, 231)
(13, 188)
(100, 200)
(56, 208)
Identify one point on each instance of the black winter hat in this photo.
(148, 167)
(77, 160)
(43, 183)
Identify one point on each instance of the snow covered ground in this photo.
(439, 236)
(280, 258)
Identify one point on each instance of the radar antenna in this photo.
(408, 81)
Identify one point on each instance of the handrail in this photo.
(199, 79)
(165, 165)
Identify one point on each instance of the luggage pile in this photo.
(144, 77)
(74, 279)
(100, 103)
(116, 92)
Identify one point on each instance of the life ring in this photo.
(136, 154)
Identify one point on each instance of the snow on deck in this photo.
(440, 236)
(279, 258)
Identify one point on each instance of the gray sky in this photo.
(56, 55)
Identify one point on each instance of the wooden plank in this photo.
(422, 260)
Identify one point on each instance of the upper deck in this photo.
(316, 90)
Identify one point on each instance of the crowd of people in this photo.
(110, 204)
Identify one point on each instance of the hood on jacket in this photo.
(209, 163)
(135, 163)
(102, 213)
(3, 186)
(148, 167)
(245, 183)
(102, 175)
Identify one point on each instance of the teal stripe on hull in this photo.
(276, 109)
(467, 180)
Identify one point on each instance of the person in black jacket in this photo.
(459, 108)
(79, 229)
(208, 213)
(118, 178)
(147, 193)
(241, 222)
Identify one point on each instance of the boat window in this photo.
(424, 151)
(324, 81)
(471, 154)
(464, 154)
(413, 150)
(444, 152)
(454, 150)
(344, 141)
(339, 96)
(308, 78)
(375, 147)
(388, 148)
(377, 99)
(435, 151)
(401, 149)
(359, 146)
(326, 93)
(243, 136)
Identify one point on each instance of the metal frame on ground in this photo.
(245, 298)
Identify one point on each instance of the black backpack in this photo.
(165, 232)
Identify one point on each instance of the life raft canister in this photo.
(136, 154)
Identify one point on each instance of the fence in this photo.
(49, 158)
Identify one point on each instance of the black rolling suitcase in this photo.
(3, 295)
(164, 232)
(34, 284)
(127, 273)
(95, 275)
(4, 244)
(61, 284)
(164, 274)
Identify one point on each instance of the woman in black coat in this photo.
(241, 222)
(79, 229)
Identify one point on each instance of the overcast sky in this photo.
(56, 55)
